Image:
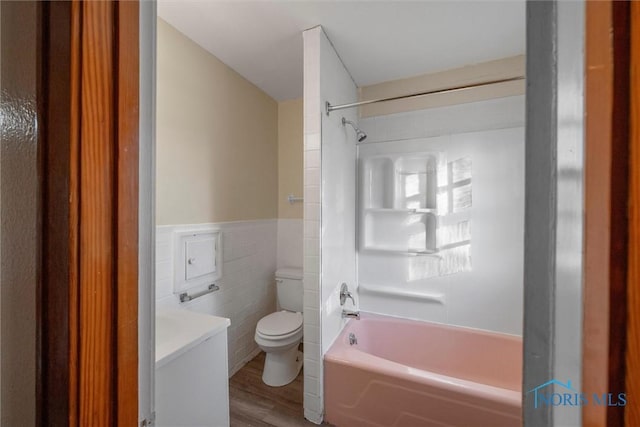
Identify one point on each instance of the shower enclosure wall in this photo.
(329, 208)
(441, 215)
(422, 220)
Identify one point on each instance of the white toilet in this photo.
(279, 334)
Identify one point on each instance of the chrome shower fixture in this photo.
(359, 134)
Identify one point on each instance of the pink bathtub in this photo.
(407, 373)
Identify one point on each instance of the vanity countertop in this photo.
(178, 331)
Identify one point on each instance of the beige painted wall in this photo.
(485, 71)
(217, 138)
(290, 152)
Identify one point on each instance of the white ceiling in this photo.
(377, 40)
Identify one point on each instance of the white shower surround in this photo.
(491, 134)
(488, 295)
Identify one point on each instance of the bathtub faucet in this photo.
(344, 294)
(348, 314)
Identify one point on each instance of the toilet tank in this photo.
(289, 288)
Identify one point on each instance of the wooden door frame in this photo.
(88, 106)
(611, 344)
(606, 200)
(87, 295)
(632, 356)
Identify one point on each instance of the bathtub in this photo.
(408, 373)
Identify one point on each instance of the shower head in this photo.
(359, 134)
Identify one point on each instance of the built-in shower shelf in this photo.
(402, 211)
(407, 252)
(398, 203)
(412, 172)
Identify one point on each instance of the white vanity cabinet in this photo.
(192, 382)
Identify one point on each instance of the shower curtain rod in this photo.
(331, 108)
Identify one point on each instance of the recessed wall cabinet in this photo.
(398, 203)
(198, 259)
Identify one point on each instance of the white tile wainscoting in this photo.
(289, 243)
(247, 287)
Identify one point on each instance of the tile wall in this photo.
(247, 288)
(290, 243)
(313, 407)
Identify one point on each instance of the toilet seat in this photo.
(279, 325)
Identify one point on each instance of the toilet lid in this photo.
(280, 323)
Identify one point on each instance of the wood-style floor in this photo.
(253, 403)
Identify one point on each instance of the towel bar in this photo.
(291, 198)
(184, 297)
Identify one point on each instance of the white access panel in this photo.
(200, 256)
(197, 258)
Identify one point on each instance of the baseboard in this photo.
(313, 417)
(244, 361)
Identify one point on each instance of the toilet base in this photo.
(281, 368)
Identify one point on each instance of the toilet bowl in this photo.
(279, 334)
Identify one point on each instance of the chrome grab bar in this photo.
(184, 297)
